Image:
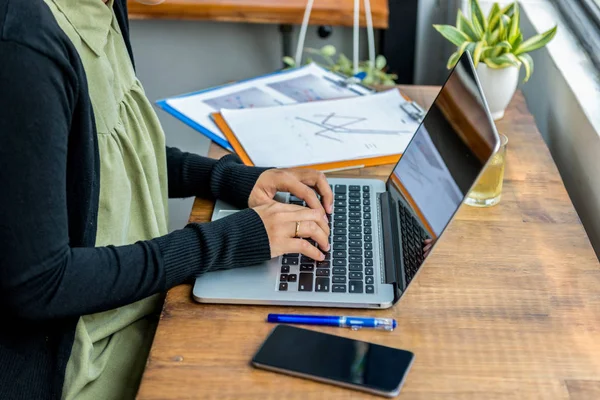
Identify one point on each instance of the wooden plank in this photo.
(325, 12)
(506, 306)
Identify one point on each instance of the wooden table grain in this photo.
(324, 12)
(507, 305)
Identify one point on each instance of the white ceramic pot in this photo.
(499, 86)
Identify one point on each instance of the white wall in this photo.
(174, 57)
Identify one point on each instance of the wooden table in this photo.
(506, 307)
(324, 12)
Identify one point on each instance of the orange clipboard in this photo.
(325, 167)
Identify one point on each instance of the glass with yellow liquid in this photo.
(488, 189)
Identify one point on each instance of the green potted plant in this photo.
(373, 74)
(497, 47)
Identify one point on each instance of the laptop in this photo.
(378, 228)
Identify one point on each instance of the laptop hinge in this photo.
(391, 243)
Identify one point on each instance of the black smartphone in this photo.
(333, 359)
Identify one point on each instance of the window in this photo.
(583, 17)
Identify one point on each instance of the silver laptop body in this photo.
(378, 227)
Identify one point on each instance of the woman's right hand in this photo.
(280, 222)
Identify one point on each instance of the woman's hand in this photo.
(295, 181)
(280, 222)
(427, 245)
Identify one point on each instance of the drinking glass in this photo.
(488, 189)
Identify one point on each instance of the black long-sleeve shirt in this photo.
(50, 271)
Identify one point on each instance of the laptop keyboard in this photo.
(413, 236)
(348, 266)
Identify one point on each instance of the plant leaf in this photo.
(477, 27)
(453, 60)
(493, 17)
(536, 42)
(344, 62)
(487, 53)
(518, 40)
(504, 44)
(464, 46)
(503, 27)
(380, 62)
(328, 50)
(452, 34)
(503, 61)
(494, 38)
(527, 62)
(508, 10)
(310, 50)
(467, 28)
(513, 27)
(501, 48)
(470, 46)
(289, 61)
(477, 15)
(479, 48)
(513, 58)
(458, 20)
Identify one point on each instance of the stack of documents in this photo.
(298, 85)
(303, 117)
(329, 135)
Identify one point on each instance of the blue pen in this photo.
(353, 323)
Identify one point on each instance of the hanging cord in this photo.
(370, 33)
(302, 37)
(355, 36)
(355, 39)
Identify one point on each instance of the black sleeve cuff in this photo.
(232, 181)
(227, 179)
(236, 241)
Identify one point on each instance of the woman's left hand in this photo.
(427, 245)
(299, 182)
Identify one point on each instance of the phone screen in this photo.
(333, 359)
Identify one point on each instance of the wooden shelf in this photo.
(325, 12)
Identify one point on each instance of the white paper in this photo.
(307, 83)
(321, 132)
(425, 176)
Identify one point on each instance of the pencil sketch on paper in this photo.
(333, 123)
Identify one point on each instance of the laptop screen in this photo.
(449, 150)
